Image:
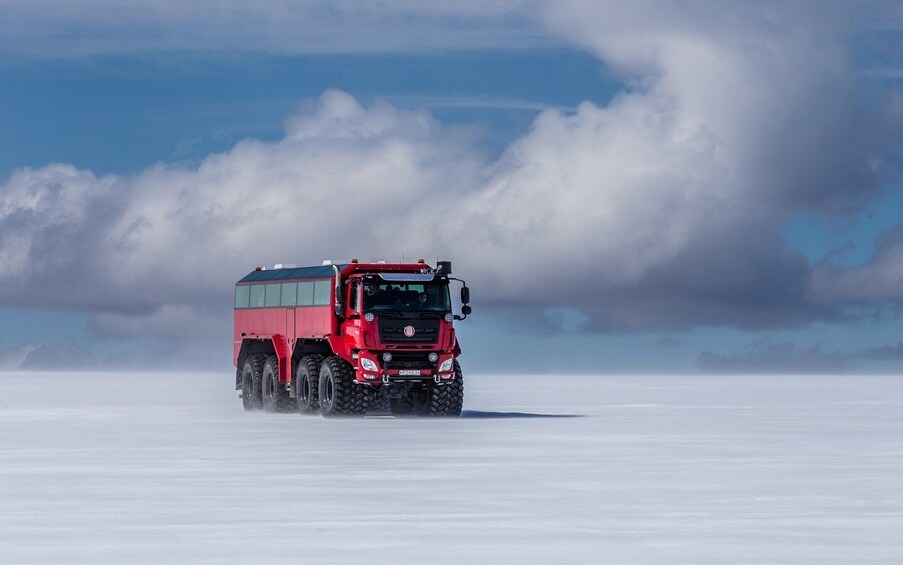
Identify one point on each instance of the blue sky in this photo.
(626, 189)
(121, 114)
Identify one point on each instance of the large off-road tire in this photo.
(339, 395)
(307, 384)
(251, 374)
(274, 396)
(447, 400)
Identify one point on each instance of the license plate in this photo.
(409, 372)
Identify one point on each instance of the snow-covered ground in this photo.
(162, 468)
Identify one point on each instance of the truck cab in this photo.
(400, 327)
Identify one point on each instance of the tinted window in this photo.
(321, 293)
(289, 293)
(272, 295)
(242, 296)
(257, 295)
(305, 293)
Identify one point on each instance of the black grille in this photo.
(409, 361)
(392, 330)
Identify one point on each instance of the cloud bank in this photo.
(768, 357)
(765, 357)
(661, 210)
(878, 282)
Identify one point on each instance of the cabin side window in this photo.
(242, 296)
(257, 295)
(289, 294)
(306, 293)
(321, 293)
(272, 295)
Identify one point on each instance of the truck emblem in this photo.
(409, 331)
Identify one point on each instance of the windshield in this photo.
(399, 295)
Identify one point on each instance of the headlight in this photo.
(368, 365)
(446, 365)
(433, 357)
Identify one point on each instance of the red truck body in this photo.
(291, 314)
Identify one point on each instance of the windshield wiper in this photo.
(388, 313)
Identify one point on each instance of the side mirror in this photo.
(466, 310)
(465, 295)
(339, 303)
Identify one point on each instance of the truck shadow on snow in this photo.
(483, 415)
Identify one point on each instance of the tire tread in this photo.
(311, 364)
(349, 399)
(448, 399)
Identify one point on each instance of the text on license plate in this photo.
(409, 372)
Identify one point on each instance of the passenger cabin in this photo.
(294, 303)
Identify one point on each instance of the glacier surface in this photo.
(164, 468)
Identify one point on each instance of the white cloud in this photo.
(49, 236)
(344, 180)
(771, 83)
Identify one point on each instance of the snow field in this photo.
(167, 468)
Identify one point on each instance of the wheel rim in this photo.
(305, 390)
(246, 392)
(327, 393)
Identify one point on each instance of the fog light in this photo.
(369, 316)
(449, 318)
(434, 357)
(387, 356)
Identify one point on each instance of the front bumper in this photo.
(388, 374)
